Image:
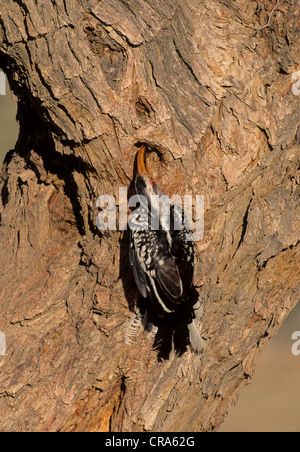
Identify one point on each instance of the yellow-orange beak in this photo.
(141, 162)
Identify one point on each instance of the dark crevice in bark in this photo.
(245, 225)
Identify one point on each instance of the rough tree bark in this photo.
(209, 86)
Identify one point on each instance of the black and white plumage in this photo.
(162, 258)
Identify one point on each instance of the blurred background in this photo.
(271, 403)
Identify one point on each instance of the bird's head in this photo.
(144, 183)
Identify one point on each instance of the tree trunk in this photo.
(208, 85)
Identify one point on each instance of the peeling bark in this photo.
(209, 86)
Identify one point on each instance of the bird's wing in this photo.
(139, 277)
(185, 264)
(138, 272)
(168, 277)
(155, 270)
(182, 247)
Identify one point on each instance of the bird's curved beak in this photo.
(142, 168)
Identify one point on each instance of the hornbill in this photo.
(162, 256)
